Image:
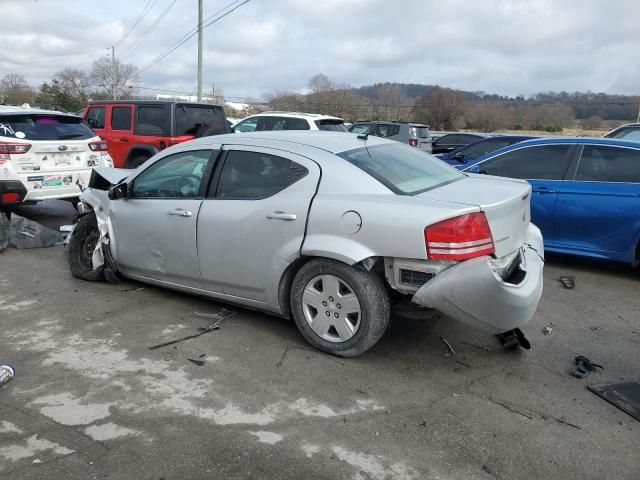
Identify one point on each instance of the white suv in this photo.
(45, 154)
(289, 121)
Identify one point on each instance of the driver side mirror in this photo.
(119, 191)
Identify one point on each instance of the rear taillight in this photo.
(10, 197)
(459, 238)
(14, 148)
(413, 142)
(98, 146)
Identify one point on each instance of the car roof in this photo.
(391, 122)
(556, 141)
(333, 142)
(14, 109)
(315, 116)
(150, 102)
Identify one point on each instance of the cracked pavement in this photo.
(89, 399)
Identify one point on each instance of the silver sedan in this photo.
(330, 229)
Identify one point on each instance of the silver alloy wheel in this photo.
(331, 308)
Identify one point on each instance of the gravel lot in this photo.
(91, 401)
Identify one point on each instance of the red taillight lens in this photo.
(98, 146)
(413, 142)
(14, 148)
(10, 197)
(459, 238)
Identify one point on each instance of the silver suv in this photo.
(414, 134)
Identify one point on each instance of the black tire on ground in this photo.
(374, 302)
(81, 246)
(137, 161)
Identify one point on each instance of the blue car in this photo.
(467, 153)
(586, 192)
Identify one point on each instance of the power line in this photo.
(191, 35)
(137, 21)
(146, 33)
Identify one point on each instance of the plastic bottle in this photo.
(7, 372)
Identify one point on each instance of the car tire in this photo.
(370, 322)
(84, 237)
(137, 161)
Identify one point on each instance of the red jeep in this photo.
(135, 130)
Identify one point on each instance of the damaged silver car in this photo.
(330, 229)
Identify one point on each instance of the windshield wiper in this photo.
(69, 136)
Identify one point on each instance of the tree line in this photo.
(71, 88)
(450, 109)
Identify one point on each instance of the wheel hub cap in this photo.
(331, 308)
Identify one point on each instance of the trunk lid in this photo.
(505, 202)
(56, 156)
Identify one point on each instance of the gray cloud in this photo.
(503, 46)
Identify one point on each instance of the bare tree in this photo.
(73, 81)
(391, 103)
(112, 77)
(441, 108)
(14, 89)
(321, 83)
(488, 116)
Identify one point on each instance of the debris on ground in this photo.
(135, 289)
(514, 338)
(199, 363)
(7, 372)
(224, 313)
(25, 233)
(548, 329)
(448, 345)
(568, 281)
(4, 231)
(625, 395)
(584, 367)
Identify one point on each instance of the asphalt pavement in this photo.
(90, 400)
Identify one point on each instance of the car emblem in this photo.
(63, 148)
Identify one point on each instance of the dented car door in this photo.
(155, 225)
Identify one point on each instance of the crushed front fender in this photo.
(474, 292)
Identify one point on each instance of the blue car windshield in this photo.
(404, 170)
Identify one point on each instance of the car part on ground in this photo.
(45, 155)
(586, 192)
(7, 372)
(329, 250)
(25, 233)
(414, 134)
(135, 130)
(584, 367)
(625, 395)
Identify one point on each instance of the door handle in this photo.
(281, 216)
(544, 190)
(180, 212)
(124, 139)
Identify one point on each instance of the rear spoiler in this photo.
(103, 178)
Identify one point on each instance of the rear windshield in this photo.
(331, 125)
(44, 127)
(627, 134)
(200, 121)
(404, 170)
(420, 132)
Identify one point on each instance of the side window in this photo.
(246, 125)
(609, 164)
(151, 120)
(95, 117)
(449, 140)
(121, 118)
(176, 176)
(253, 175)
(381, 130)
(271, 123)
(542, 162)
(297, 124)
(360, 128)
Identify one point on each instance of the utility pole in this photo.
(113, 72)
(638, 118)
(199, 50)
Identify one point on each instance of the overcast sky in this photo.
(509, 47)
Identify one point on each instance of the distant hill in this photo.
(411, 90)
